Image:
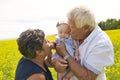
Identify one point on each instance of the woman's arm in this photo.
(49, 52)
(48, 60)
(37, 77)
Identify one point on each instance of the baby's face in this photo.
(63, 31)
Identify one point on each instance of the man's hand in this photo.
(61, 49)
(60, 64)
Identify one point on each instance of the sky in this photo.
(18, 15)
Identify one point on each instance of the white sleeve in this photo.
(99, 57)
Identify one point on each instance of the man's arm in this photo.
(78, 70)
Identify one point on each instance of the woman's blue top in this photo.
(27, 68)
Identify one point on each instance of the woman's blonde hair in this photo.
(82, 16)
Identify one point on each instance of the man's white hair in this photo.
(82, 16)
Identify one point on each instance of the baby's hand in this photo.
(53, 44)
(77, 59)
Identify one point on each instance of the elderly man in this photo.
(95, 49)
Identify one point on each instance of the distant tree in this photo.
(118, 26)
(110, 24)
(102, 25)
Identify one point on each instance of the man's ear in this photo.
(86, 28)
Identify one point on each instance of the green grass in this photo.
(9, 57)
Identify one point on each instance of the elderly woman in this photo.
(36, 56)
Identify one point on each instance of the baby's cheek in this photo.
(67, 36)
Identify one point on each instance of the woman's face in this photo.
(45, 51)
(46, 47)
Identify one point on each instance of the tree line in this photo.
(110, 24)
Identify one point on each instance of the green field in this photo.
(9, 57)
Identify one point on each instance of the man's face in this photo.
(78, 33)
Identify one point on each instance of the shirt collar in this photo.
(92, 34)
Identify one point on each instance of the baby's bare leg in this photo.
(59, 76)
(68, 75)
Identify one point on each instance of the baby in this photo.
(71, 46)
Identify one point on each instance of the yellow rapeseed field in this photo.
(9, 57)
